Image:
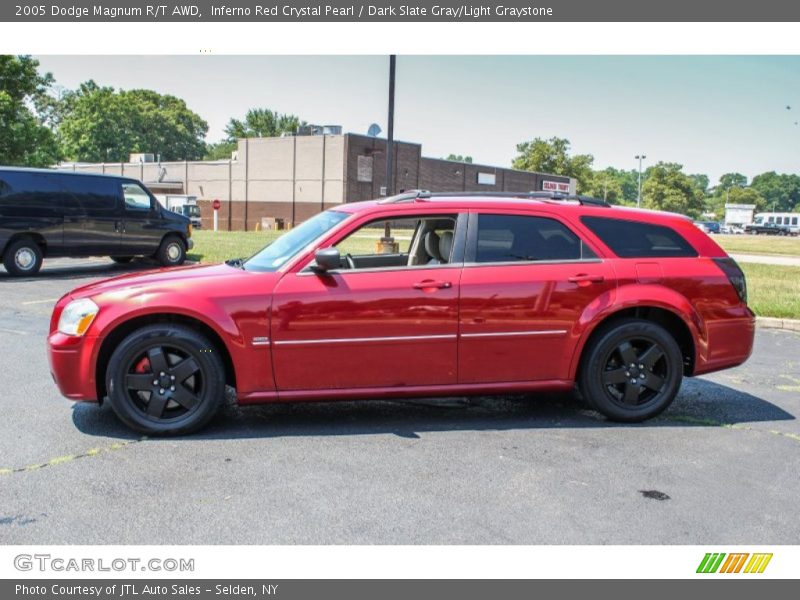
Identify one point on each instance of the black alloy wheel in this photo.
(631, 370)
(165, 379)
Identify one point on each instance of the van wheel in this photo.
(165, 380)
(631, 371)
(23, 257)
(172, 251)
(122, 259)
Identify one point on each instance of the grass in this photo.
(759, 244)
(774, 290)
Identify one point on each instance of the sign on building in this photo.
(364, 169)
(555, 186)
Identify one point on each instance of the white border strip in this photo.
(401, 338)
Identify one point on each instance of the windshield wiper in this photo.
(235, 262)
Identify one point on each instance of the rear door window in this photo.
(523, 238)
(632, 239)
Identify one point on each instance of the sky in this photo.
(713, 114)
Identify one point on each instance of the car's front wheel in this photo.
(631, 370)
(165, 380)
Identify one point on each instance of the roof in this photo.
(62, 172)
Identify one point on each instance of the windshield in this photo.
(273, 256)
(193, 210)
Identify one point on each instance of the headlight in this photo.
(77, 316)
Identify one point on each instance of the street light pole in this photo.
(390, 132)
(640, 158)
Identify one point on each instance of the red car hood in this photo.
(193, 279)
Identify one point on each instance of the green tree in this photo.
(220, 151)
(103, 124)
(605, 184)
(553, 156)
(24, 138)
(731, 180)
(459, 158)
(781, 192)
(668, 188)
(262, 122)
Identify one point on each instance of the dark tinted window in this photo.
(631, 239)
(93, 194)
(509, 238)
(30, 191)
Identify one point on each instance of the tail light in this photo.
(735, 276)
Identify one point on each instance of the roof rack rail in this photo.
(558, 196)
(412, 195)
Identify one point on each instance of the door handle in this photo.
(430, 283)
(584, 278)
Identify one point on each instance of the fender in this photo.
(234, 327)
(639, 296)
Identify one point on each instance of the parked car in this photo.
(416, 295)
(766, 229)
(49, 213)
(732, 229)
(709, 226)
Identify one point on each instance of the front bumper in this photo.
(189, 243)
(71, 365)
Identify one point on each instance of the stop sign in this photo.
(216, 204)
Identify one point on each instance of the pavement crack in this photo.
(67, 458)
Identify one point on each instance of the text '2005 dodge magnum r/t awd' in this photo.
(416, 295)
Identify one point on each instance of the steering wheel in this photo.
(351, 264)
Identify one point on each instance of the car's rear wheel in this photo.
(122, 259)
(631, 371)
(172, 251)
(23, 257)
(165, 380)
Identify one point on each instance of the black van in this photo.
(48, 213)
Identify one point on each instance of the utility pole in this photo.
(640, 158)
(390, 132)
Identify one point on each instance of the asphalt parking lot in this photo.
(720, 467)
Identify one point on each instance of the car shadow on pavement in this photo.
(82, 270)
(700, 403)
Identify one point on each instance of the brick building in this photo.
(293, 178)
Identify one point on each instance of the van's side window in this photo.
(135, 197)
(95, 195)
(30, 191)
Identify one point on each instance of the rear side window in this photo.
(512, 238)
(21, 193)
(631, 239)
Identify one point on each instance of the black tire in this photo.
(172, 251)
(23, 257)
(121, 259)
(631, 370)
(140, 383)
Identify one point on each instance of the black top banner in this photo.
(409, 11)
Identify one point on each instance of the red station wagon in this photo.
(419, 294)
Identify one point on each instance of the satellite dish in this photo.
(374, 130)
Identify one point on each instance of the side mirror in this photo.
(327, 259)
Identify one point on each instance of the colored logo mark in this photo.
(735, 562)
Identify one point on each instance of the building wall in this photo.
(294, 178)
